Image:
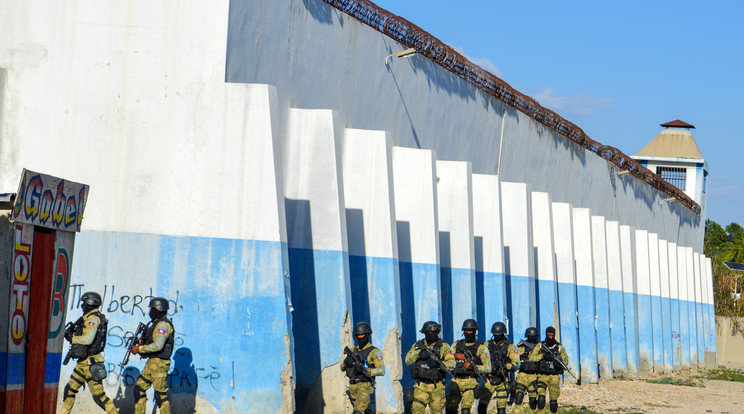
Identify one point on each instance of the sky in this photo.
(615, 69)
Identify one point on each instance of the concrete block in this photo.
(630, 297)
(456, 254)
(616, 299)
(367, 158)
(518, 257)
(601, 296)
(489, 250)
(582, 241)
(542, 238)
(567, 332)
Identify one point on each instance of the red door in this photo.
(40, 293)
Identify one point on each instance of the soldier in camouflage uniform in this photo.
(527, 377)
(471, 361)
(504, 356)
(156, 345)
(88, 338)
(431, 359)
(362, 364)
(549, 371)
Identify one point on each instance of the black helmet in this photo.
(498, 328)
(531, 331)
(160, 304)
(362, 328)
(470, 325)
(91, 298)
(431, 326)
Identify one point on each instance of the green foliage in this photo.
(723, 374)
(687, 382)
(726, 245)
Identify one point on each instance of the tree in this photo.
(726, 246)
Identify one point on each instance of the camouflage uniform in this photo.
(501, 352)
(526, 379)
(158, 348)
(361, 388)
(429, 391)
(81, 374)
(549, 374)
(466, 380)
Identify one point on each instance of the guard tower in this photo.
(675, 156)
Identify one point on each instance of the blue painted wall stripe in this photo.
(520, 304)
(568, 327)
(617, 333)
(631, 333)
(658, 333)
(667, 333)
(692, 318)
(676, 334)
(53, 365)
(645, 334)
(604, 345)
(547, 303)
(587, 334)
(684, 334)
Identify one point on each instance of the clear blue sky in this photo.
(616, 69)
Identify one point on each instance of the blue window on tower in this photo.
(675, 176)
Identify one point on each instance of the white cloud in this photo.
(482, 62)
(579, 105)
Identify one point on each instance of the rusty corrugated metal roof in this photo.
(407, 33)
(677, 124)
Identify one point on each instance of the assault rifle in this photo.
(435, 357)
(69, 333)
(558, 359)
(358, 362)
(134, 339)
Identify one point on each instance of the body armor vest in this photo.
(550, 367)
(99, 342)
(461, 347)
(527, 366)
(360, 354)
(167, 350)
(428, 370)
(499, 357)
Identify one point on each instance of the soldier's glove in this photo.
(349, 362)
(467, 365)
(460, 357)
(548, 356)
(135, 350)
(68, 335)
(508, 366)
(423, 355)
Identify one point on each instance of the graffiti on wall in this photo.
(19, 293)
(128, 304)
(51, 202)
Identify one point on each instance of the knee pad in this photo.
(518, 399)
(541, 384)
(465, 411)
(553, 406)
(540, 402)
(533, 403)
(139, 393)
(161, 397)
(69, 392)
(501, 411)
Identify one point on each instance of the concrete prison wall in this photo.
(261, 166)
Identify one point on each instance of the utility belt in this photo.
(360, 379)
(465, 376)
(430, 381)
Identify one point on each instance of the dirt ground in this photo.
(639, 396)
